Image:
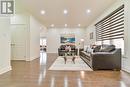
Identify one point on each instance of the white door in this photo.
(18, 42)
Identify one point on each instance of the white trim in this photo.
(125, 66)
(126, 70)
(27, 59)
(30, 59)
(5, 69)
(18, 59)
(52, 52)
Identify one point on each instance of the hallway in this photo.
(36, 74)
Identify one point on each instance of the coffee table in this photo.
(66, 57)
(69, 55)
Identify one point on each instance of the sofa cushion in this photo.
(97, 48)
(85, 48)
(107, 48)
(89, 50)
(62, 47)
(72, 47)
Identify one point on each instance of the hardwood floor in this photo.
(36, 74)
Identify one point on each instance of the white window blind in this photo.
(112, 26)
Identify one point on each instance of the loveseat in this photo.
(62, 51)
(104, 57)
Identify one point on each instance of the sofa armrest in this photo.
(107, 60)
(59, 49)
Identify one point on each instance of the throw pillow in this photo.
(85, 48)
(107, 48)
(89, 49)
(72, 47)
(62, 47)
(97, 48)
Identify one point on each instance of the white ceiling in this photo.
(76, 11)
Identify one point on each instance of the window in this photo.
(119, 43)
(43, 41)
(106, 42)
(112, 26)
(98, 43)
(110, 30)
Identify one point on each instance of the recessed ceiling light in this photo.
(40, 28)
(52, 25)
(88, 11)
(79, 25)
(65, 11)
(66, 25)
(43, 12)
(82, 40)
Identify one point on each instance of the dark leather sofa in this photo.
(103, 60)
(62, 51)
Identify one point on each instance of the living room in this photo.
(73, 27)
(85, 34)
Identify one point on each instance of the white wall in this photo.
(91, 28)
(53, 37)
(32, 26)
(34, 38)
(43, 32)
(126, 60)
(32, 35)
(4, 44)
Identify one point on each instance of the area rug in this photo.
(79, 65)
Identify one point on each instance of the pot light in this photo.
(65, 11)
(66, 25)
(82, 40)
(52, 25)
(40, 28)
(43, 12)
(88, 11)
(79, 25)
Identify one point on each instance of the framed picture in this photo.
(67, 38)
(91, 35)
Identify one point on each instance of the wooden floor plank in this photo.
(36, 74)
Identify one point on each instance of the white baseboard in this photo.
(125, 69)
(18, 59)
(27, 59)
(31, 59)
(52, 52)
(5, 69)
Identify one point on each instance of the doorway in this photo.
(18, 42)
(43, 44)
